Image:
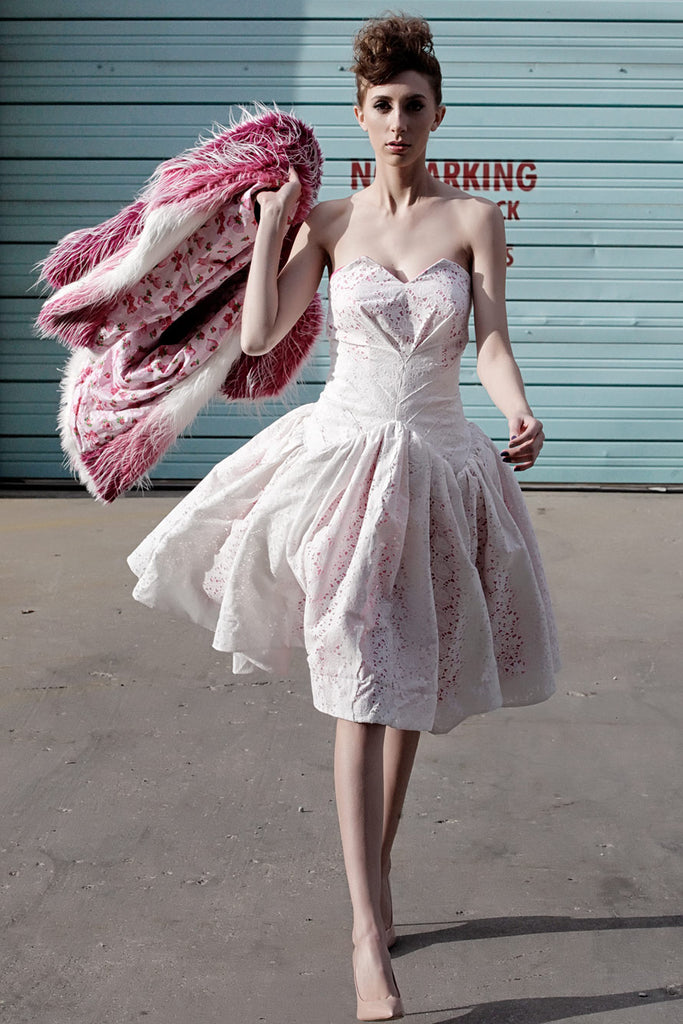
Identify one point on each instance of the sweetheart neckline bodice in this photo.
(395, 350)
(411, 280)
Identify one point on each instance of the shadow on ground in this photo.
(501, 927)
(543, 1010)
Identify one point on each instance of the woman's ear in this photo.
(438, 118)
(360, 117)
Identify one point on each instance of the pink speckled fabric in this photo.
(116, 390)
(375, 529)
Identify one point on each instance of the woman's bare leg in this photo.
(359, 785)
(400, 747)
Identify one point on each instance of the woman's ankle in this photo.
(368, 933)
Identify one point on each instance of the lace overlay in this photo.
(376, 530)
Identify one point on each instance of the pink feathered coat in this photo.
(151, 300)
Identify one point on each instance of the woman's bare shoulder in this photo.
(468, 203)
(327, 220)
(476, 219)
(328, 211)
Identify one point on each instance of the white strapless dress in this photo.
(375, 533)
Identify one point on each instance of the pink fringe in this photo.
(264, 145)
(80, 251)
(255, 377)
(118, 464)
(77, 317)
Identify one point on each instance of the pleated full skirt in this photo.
(410, 589)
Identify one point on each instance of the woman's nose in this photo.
(397, 121)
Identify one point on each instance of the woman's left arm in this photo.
(496, 365)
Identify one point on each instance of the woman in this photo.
(376, 526)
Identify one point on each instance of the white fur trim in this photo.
(181, 405)
(164, 230)
(78, 362)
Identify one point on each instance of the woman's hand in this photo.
(281, 202)
(526, 441)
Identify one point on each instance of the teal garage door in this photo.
(568, 116)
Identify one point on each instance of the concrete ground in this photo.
(169, 848)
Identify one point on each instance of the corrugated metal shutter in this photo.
(570, 116)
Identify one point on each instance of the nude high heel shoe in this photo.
(389, 1008)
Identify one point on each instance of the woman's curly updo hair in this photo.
(389, 44)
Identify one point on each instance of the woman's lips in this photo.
(397, 147)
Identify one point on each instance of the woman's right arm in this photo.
(273, 303)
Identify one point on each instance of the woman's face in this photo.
(403, 110)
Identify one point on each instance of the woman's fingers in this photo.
(283, 199)
(533, 443)
(524, 449)
(524, 430)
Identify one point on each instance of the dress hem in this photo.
(442, 728)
